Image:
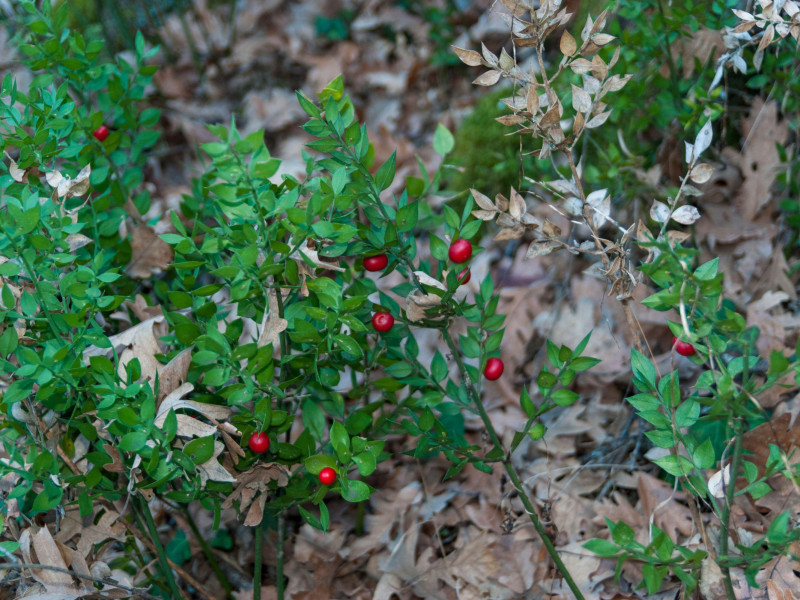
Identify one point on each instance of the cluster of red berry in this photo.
(460, 252)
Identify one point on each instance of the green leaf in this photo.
(707, 271)
(703, 456)
(315, 464)
(526, 403)
(622, 534)
(340, 442)
(407, 217)
(313, 419)
(356, 491)
(643, 370)
(602, 547)
(366, 463)
(443, 140)
(349, 345)
(439, 368)
(200, 449)
(133, 441)
(564, 397)
(385, 175)
(677, 466)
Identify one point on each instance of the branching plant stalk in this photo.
(166, 572)
(730, 493)
(511, 471)
(223, 580)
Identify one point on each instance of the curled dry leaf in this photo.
(189, 426)
(417, 304)
(16, 173)
(509, 233)
(70, 188)
(212, 469)
(517, 205)
(272, 324)
(542, 248)
(150, 255)
(426, 279)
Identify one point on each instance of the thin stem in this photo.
(207, 552)
(166, 572)
(512, 473)
(258, 532)
(279, 557)
(730, 492)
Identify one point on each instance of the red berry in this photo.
(382, 321)
(327, 476)
(460, 251)
(464, 277)
(494, 368)
(259, 442)
(101, 133)
(683, 348)
(376, 263)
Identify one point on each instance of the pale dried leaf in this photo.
(482, 200)
(532, 100)
(468, 57)
(581, 100)
(702, 173)
(659, 212)
(686, 215)
(488, 55)
(517, 205)
(150, 255)
(487, 79)
(581, 66)
(567, 45)
(70, 188)
(703, 140)
(506, 62)
(598, 120)
(426, 279)
(77, 240)
(542, 248)
(484, 215)
(212, 469)
(510, 233)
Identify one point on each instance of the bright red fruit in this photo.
(464, 277)
(494, 368)
(683, 348)
(382, 321)
(376, 263)
(327, 476)
(259, 442)
(101, 133)
(460, 251)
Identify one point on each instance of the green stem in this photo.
(279, 558)
(259, 538)
(730, 492)
(166, 572)
(512, 473)
(207, 552)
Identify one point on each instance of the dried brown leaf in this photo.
(487, 79)
(567, 45)
(510, 233)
